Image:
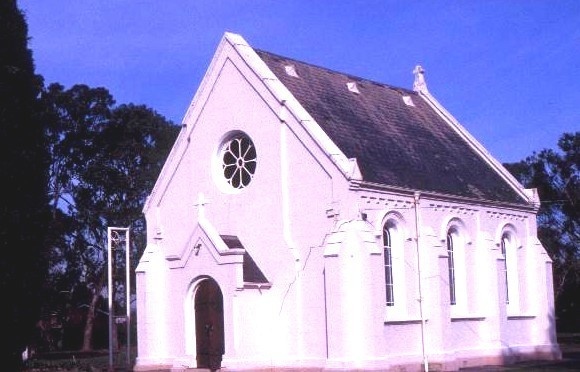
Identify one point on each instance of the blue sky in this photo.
(508, 70)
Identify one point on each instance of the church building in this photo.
(311, 220)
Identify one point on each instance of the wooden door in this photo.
(209, 325)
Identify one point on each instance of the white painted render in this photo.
(315, 230)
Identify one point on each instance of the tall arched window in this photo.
(504, 243)
(400, 283)
(451, 265)
(388, 261)
(512, 261)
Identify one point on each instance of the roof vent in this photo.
(351, 85)
(291, 70)
(408, 101)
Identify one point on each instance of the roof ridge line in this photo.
(353, 77)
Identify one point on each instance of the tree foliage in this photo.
(104, 162)
(23, 203)
(556, 175)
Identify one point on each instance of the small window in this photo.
(388, 260)
(451, 264)
(238, 161)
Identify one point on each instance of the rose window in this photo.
(239, 161)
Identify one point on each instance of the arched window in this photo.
(388, 261)
(504, 244)
(512, 262)
(463, 265)
(451, 265)
(400, 283)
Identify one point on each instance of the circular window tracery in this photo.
(239, 161)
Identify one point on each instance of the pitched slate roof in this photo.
(395, 144)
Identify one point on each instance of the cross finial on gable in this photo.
(419, 85)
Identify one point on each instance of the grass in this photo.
(99, 360)
(78, 361)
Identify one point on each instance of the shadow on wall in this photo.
(548, 350)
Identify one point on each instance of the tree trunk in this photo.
(89, 325)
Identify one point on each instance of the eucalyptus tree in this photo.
(105, 160)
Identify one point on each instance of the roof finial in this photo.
(419, 84)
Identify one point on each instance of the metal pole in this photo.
(128, 296)
(110, 292)
(418, 234)
(114, 237)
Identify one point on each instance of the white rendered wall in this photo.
(481, 329)
(281, 218)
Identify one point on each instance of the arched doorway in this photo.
(209, 325)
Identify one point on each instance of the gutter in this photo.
(357, 185)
